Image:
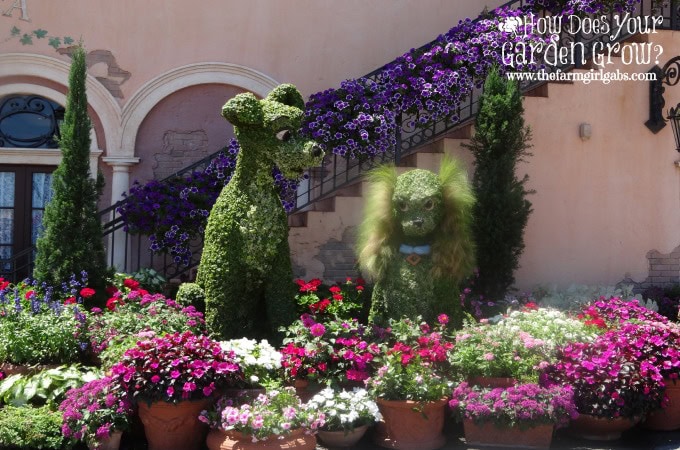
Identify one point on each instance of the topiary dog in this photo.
(415, 242)
(245, 269)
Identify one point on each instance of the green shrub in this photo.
(31, 428)
(191, 294)
(502, 211)
(72, 237)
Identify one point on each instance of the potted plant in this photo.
(260, 363)
(97, 413)
(348, 415)
(410, 389)
(172, 378)
(613, 386)
(521, 416)
(274, 420)
(658, 344)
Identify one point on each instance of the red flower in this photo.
(131, 283)
(87, 292)
(3, 284)
(308, 287)
(29, 294)
(335, 289)
(113, 302)
(360, 288)
(530, 306)
(70, 301)
(320, 306)
(337, 297)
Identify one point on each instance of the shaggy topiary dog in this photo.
(415, 242)
(245, 270)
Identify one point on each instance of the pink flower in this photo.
(317, 330)
(489, 356)
(175, 374)
(170, 391)
(155, 379)
(443, 319)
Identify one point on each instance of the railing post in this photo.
(397, 148)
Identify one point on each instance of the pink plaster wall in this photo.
(601, 204)
(195, 109)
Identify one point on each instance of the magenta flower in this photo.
(317, 330)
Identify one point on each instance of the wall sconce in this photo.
(585, 131)
(674, 119)
(669, 75)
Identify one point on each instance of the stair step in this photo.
(353, 190)
(464, 132)
(298, 219)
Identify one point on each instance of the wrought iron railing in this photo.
(338, 172)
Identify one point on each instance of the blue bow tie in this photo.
(417, 249)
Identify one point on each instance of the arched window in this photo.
(29, 121)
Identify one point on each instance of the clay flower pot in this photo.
(409, 425)
(174, 426)
(342, 439)
(600, 428)
(235, 440)
(668, 418)
(536, 437)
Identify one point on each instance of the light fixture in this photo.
(668, 75)
(674, 119)
(585, 131)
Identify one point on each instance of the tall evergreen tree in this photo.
(71, 240)
(500, 142)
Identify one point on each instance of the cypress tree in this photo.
(500, 142)
(71, 240)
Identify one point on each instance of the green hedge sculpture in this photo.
(415, 242)
(245, 268)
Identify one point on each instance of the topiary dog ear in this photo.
(244, 109)
(288, 95)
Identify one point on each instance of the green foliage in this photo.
(115, 349)
(502, 210)
(150, 280)
(47, 387)
(46, 337)
(31, 428)
(418, 208)
(72, 237)
(245, 268)
(191, 294)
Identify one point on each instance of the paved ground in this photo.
(634, 439)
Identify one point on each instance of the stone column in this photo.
(120, 183)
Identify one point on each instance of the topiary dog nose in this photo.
(316, 151)
(418, 222)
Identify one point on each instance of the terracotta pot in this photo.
(340, 439)
(234, 440)
(170, 426)
(537, 437)
(668, 418)
(306, 390)
(599, 428)
(112, 443)
(409, 425)
(492, 382)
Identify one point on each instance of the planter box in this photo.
(488, 434)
